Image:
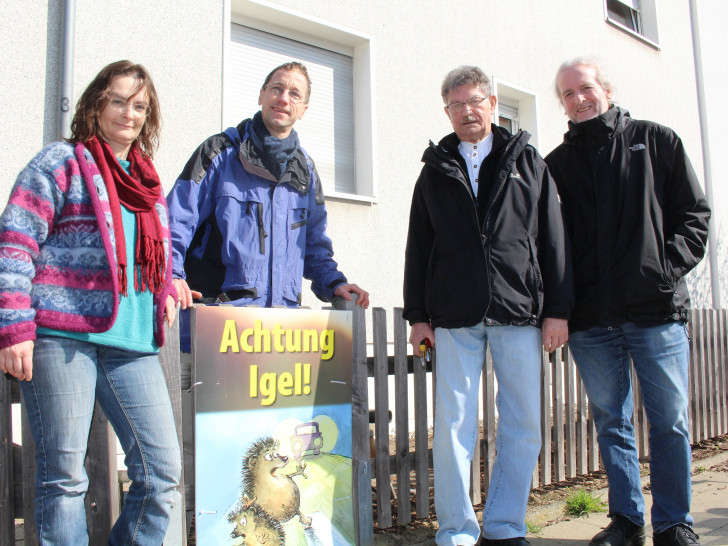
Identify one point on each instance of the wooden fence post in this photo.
(714, 373)
(488, 421)
(639, 416)
(694, 392)
(169, 358)
(102, 497)
(709, 376)
(545, 458)
(570, 411)
(401, 403)
(702, 379)
(582, 422)
(7, 505)
(28, 463)
(422, 462)
(557, 409)
(361, 487)
(722, 356)
(381, 417)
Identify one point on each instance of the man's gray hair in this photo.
(464, 75)
(600, 74)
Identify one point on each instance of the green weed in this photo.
(582, 503)
(533, 529)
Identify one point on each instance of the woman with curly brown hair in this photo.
(85, 285)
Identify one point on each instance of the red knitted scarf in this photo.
(138, 191)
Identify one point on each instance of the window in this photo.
(336, 131)
(516, 109)
(637, 17)
(508, 115)
(626, 12)
(325, 128)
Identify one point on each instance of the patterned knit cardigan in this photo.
(57, 253)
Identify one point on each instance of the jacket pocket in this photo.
(534, 282)
(292, 293)
(252, 224)
(298, 217)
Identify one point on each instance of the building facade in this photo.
(376, 68)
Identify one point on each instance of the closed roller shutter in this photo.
(326, 131)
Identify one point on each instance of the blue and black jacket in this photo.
(239, 231)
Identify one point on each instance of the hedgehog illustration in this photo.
(277, 495)
(256, 527)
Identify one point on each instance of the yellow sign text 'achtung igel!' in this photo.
(263, 340)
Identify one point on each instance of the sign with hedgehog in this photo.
(273, 426)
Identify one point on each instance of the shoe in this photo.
(679, 535)
(620, 532)
(517, 541)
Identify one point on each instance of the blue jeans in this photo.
(68, 376)
(660, 355)
(516, 354)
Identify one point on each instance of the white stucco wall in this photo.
(26, 80)
(714, 43)
(414, 42)
(522, 43)
(180, 43)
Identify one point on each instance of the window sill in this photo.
(631, 32)
(339, 196)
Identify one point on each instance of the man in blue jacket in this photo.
(247, 214)
(248, 219)
(638, 222)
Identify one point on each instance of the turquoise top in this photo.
(133, 329)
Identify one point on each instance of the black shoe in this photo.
(679, 535)
(518, 541)
(620, 532)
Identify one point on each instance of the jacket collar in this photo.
(446, 157)
(250, 155)
(599, 130)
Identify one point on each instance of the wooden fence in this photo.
(397, 479)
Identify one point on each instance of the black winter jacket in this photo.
(637, 217)
(513, 268)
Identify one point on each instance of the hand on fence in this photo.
(17, 360)
(554, 333)
(184, 294)
(343, 291)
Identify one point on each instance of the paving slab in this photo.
(709, 510)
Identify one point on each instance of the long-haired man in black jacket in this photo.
(638, 222)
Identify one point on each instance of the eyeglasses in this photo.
(294, 95)
(139, 109)
(472, 103)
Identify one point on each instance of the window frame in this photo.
(648, 20)
(521, 100)
(294, 25)
(507, 110)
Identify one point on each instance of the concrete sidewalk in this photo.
(709, 510)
